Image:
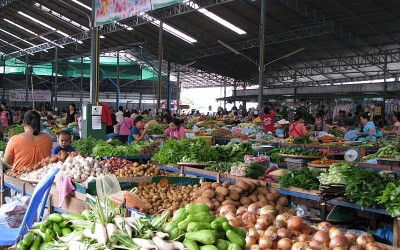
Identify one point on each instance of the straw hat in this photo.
(283, 122)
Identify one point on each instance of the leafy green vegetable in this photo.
(85, 145)
(336, 173)
(221, 167)
(3, 146)
(390, 199)
(302, 139)
(157, 129)
(302, 178)
(233, 152)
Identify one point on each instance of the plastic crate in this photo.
(296, 163)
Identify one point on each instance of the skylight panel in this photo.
(81, 4)
(216, 18)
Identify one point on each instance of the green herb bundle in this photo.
(302, 178)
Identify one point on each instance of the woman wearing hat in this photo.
(297, 128)
(282, 130)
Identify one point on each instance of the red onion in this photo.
(300, 246)
(249, 219)
(324, 226)
(230, 215)
(314, 244)
(253, 232)
(260, 226)
(304, 238)
(284, 233)
(255, 247)
(235, 222)
(321, 237)
(306, 229)
(279, 224)
(355, 247)
(296, 233)
(284, 244)
(364, 239)
(372, 246)
(254, 208)
(351, 237)
(240, 211)
(339, 241)
(268, 209)
(333, 231)
(271, 234)
(250, 241)
(267, 216)
(295, 223)
(284, 217)
(227, 208)
(265, 242)
(267, 222)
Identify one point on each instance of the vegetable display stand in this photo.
(313, 196)
(131, 158)
(389, 162)
(293, 163)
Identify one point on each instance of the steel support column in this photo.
(81, 86)
(118, 83)
(224, 93)
(27, 80)
(160, 59)
(95, 59)
(55, 77)
(261, 61)
(178, 94)
(169, 86)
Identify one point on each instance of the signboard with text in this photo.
(17, 95)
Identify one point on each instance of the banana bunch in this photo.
(55, 130)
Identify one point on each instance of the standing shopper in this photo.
(268, 121)
(30, 147)
(71, 113)
(125, 126)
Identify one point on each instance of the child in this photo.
(64, 140)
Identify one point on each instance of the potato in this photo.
(215, 185)
(206, 184)
(222, 190)
(239, 190)
(245, 201)
(197, 194)
(263, 190)
(253, 198)
(243, 185)
(273, 197)
(283, 201)
(208, 194)
(216, 205)
(219, 197)
(234, 195)
(261, 197)
(252, 186)
(228, 202)
(226, 184)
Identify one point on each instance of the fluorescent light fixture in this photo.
(102, 37)
(1, 40)
(216, 18)
(19, 38)
(29, 31)
(81, 4)
(64, 18)
(37, 21)
(169, 29)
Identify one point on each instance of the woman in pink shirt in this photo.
(125, 126)
(297, 128)
(176, 130)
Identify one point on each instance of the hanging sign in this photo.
(36, 95)
(110, 11)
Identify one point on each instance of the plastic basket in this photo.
(296, 163)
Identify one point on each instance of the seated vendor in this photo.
(64, 142)
(319, 125)
(176, 130)
(368, 128)
(297, 128)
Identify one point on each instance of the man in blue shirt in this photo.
(64, 138)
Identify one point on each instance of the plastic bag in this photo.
(106, 185)
(13, 211)
(131, 199)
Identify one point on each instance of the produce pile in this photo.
(157, 129)
(390, 152)
(158, 196)
(233, 152)
(202, 230)
(188, 150)
(103, 149)
(124, 168)
(301, 151)
(301, 178)
(150, 148)
(218, 195)
(221, 167)
(304, 139)
(61, 156)
(221, 132)
(322, 161)
(77, 167)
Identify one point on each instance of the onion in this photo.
(235, 222)
(267, 209)
(265, 242)
(270, 217)
(306, 229)
(267, 222)
(295, 223)
(355, 247)
(364, 239)
(284, 244)
(339, 248)
(333, 231)
(321, 237)
(296, 233)
(254, 207)
(312, 248)
(314, 244)
(230, 215)
(249, 219)
(372, 246)
(279, 224)
(260, 225)
(240, 211)
(250, 240)
(271, 234)
(299, 246)
(304, 238)
(284, 233)
(324, 226)
(260, 233)
(255, 247)
(284, 217)
(253, 232)
(351, 237)
(227, 208)
(339, 241)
